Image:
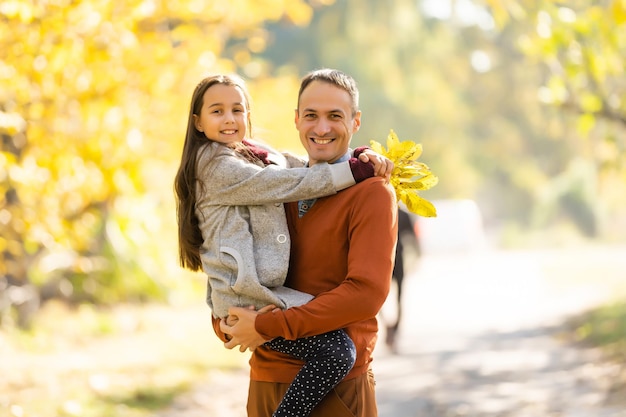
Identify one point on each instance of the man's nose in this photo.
(322, 127)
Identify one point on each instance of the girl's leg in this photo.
(328, 359)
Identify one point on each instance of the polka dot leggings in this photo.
(328, 359)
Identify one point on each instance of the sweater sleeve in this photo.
(216, 327)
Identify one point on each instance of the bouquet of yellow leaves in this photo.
(408, 176)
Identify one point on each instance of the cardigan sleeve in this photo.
(227, 179)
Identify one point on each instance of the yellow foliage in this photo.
(409, 176)
(619, 11)
(94, 98)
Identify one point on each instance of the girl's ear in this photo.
(249, 124)
(196, 122)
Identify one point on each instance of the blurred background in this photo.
(520, 106)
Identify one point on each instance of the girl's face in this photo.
(224, 115)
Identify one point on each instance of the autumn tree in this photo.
(580, 46)
(93, 105)
(466, 85)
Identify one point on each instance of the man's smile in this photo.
(322, 141)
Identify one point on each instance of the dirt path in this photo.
(480, 338)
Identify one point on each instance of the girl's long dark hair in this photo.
(186, 181)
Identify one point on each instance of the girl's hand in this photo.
(268, 308)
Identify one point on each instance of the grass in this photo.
(603, 327)
(127, 361)
(590, 268)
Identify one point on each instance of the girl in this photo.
(231, 224)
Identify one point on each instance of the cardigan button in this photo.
(281, 238)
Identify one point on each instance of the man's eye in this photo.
(309, 116)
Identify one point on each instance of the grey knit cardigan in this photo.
(246, 246)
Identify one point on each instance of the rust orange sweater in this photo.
(342, 252)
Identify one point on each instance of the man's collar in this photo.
(344, 158)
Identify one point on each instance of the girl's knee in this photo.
(347, 353)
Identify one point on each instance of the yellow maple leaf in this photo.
(409, 176)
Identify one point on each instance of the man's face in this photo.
(325, 122)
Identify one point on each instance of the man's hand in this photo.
(382, 165)
(242, 333)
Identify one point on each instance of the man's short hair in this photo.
(336, 78)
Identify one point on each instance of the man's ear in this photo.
(296, 116)
(196, 122)
(356, 122)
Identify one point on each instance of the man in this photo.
(342, 252)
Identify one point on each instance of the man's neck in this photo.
(344, 158)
